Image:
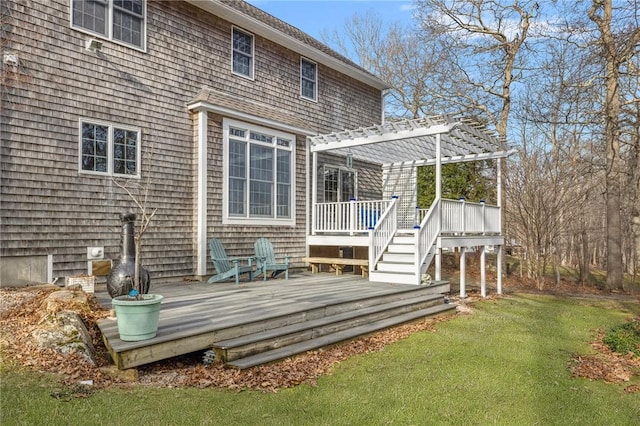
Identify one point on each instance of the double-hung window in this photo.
(119, 20)
(308, 79)
(242, 59)
(259, 175)
(109, 149)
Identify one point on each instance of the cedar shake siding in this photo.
(49, 207)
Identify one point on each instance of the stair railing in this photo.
(426, 234)
(381, 234)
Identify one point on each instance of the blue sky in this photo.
(313, 16)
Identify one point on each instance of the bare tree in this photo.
(138, 191)
(616, 50)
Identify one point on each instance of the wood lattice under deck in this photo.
(194, 316)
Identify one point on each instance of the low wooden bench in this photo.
(337, 263)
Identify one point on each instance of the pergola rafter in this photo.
(414, 142)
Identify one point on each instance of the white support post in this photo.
(499, 269)
(352, 216)
(463, 278)
(438, 167)
(314, 192)
(201, 256)
(438, 261)
(483, 271)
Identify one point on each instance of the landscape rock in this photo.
(62, 328)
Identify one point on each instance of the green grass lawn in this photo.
(507, 363)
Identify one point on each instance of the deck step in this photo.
(249, 344)
(333, 338)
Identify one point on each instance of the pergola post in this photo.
(438, 259)
(499, 204)
(314, 191)
(483, 271)
(463, 267)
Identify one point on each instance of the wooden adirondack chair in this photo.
(228, 267)
(266, 261)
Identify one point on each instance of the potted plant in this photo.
(137, 311)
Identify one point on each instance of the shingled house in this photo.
(213, 100)
(236, 119)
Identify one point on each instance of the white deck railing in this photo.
(351, 217)
(383, 231)
(461, 217)
(356, 217)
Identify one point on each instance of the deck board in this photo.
(195, 315)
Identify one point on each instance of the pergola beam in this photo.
(450, 160)
(323, 144)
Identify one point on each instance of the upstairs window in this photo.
(259, 175)
(242, 53)
(308, 79)
(109, 149)
(119, 20)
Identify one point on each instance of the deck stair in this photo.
(398, 263)
(279, 338)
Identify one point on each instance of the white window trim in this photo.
(253, 53)
(315, 92)
(109, 36)
(109, 171)
(249, 221)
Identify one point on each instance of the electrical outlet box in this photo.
(94, 253)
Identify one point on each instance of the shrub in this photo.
(624, 338)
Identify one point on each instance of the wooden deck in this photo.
(239, 321)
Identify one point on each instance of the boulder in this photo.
(62, 328)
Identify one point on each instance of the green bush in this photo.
(624, 338)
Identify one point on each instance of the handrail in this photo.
(426, 235)
(383, 232)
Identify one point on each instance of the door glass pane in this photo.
(348, 185)
(330, 185)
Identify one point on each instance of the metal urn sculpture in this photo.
(121, 278)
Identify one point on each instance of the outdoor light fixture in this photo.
(350, 161)
(93, 44)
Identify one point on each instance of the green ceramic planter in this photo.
(137, 319)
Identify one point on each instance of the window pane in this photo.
(308, 70)
(242, 42)
(284, 201)
(260, 199)
(90, 15)
(237, 201)
(284, 184)
(127, 27)
(125, 150)
(237, 161)
(261, 178)
(308, 89)
(261, 165)
(237, 178)
(94, 147)
(241, 64)
(242, 52)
